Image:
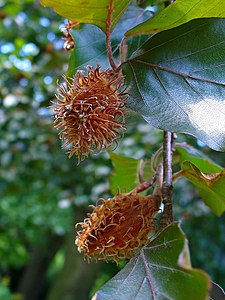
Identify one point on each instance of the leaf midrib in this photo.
(184, 75)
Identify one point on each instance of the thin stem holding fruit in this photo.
(178, 175)
(167, 188)
(108, 40)
(144, 185)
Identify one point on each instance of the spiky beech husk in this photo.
(118, 226)
(90, 111)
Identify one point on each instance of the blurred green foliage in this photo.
(39, 185)
(30, 196)
(40, 188)
(5, 292)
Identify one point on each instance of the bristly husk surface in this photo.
(90, 111)
(118, 226)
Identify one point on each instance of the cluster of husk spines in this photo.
(90, 111)
(117, 227)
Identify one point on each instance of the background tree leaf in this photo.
(125, 174)
(211, 186)
(198, 158)
(90, 41)
(162, 270)
(180, 12)
(91, 11)
(175, 80)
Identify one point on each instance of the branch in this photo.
(167, 188)
(144, 185)
(108, 40)
(178, 175)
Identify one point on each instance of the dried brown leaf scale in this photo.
(68, 40)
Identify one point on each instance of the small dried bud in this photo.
(68, 39)
(90, 111)
(119, 225)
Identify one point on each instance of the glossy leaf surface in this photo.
(176, 80)
(162, 270)
(90, 46)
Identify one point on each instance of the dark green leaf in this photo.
(90, 49)
(162, 270)
(90, 41)
(180, 12)
(175, 80)
(90, 11)
(211, 186)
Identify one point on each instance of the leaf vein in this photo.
(186, 13)
(169, 269)
(177, 73)
(149, 277)
(160, 80)
(192, 53)
(168, 41)
(143, 282)
(162, 245)
(136, 81)
(208, 68)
